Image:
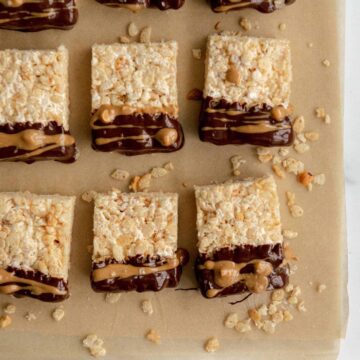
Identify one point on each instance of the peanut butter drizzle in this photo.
(236, 4)
(34, 141)
(36, 288)
(123, 271)
(260, 128)
(131, 7)
(227, 273)
(104, 141)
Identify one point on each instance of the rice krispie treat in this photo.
(135, 242)
(136, 5)
(35, 238)
(134, 98)
(34, 106)
(264, 6)
(35, 15)
(240, 241)
(247, 91)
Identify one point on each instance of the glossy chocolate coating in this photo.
(143, 123)
(41, 278)
(64, 154)
(62, 15)
(280, 137)
(160, 4)
(150, 282)
(264, 6)
(242, 254)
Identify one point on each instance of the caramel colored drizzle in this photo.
(36, 142)
(131, 7)
(236, 4)
(227, 273)
(123, 271)
(36, 288)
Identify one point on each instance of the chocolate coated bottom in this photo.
(150, 282)
(243, 254)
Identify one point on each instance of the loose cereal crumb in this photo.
(217, 26)
(243, 326)
(124, 39)
(112, 298)
(95, 345)
(299, 124)
(282, 26)
(212, 345)
(269, 327)
(301, 306)
(194, 94)
(320, 112)
(327, 119)
(120, 175)
(291, 197)
(290, 234)
(310, 45)
(5, 321)
(263, 310)
(245, 24)
(292, 165)
(272, 309)
(321, 288)
(134, 184)
(278, 317)
(145, 182)
(9, 309)
(254, 315)
(133, 29)
(312, 136)
(305, 178)
(289, 288)
(283, 151)
(146, 307)
(296, 291)
(276, 160)
(296, 211)
(236, 162)
(326, 62)
(145, 34)
(153, 336)
(157, 172)
(302, 148)
(30, 316)
(169, 166)
(58, 314)
(278, 295)
(88, 196)
(293, 300)
(279, 172)
(196, 53)
(265, 158)
(231, 320)
(320, 179)
(287, 315)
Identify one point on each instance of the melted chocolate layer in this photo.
(141, 126)
(38, 276)
(64, 154)
(242, 254)
(221, 123)
(150, 282)
(160, 4)
(264, 6)
(36, 16)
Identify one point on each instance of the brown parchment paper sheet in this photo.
(184, 318)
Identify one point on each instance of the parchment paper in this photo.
(184, 318)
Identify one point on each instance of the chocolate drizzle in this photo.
(140, 283)
(36, 16)
(39, 277)
(160, 4)
(135, 134)
(224, 123)
(264, 6)
(273, 254)
(62, 153)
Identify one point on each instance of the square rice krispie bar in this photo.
(35, 239)
(134, 98)
(136, 5)
(34, 106)
(264, 6)
(247, 91)
(240, 240)
(135, 242)
(30, 15)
